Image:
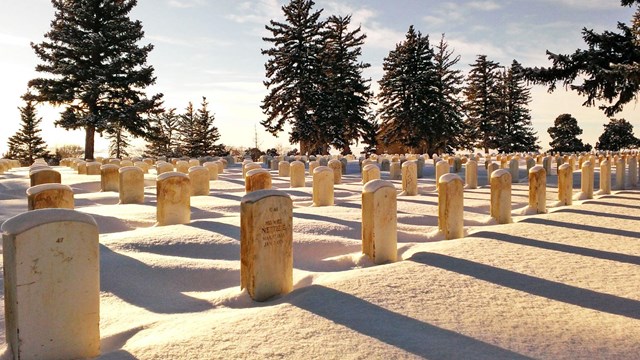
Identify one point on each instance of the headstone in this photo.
(471, 174)
(283, 169)
(395, 170)
(182, 166)
(500, 208)
(44, 176)
(620, 174)
(370, 172)
(546, 164)
(126, 162)
(212, 167)
(93, 168)
(109, 178)
(131, 185)
(451, 206)
(530, 163)
(514, 170)
(379, 221)
(257, 179)
(420, 167)
(50, 195)
(199, 179)
(442, 168)
(538, 189)
(82, 168)
(385, 165)
(605, 177)
(266, 244)
(297, 174)
(52, 285)
(409, 178)
(322, 186)
(143, 166)
(194, 162)
(565, 184)
(491, 167)
(336, 166)
(174, 199)
(163, 167)
(633, 171)
(586, 180)
(221, 165)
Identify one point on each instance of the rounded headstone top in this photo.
(28, 220)
(109, 166)
(536, 168)
(256, 171)
(447, 178)
(125, 169)
(410, 163)
(375, 185)
(198, 168)
(258, 195)
(369, 166)
(49, 186)
(170, 174)
(297, 163)
(500, 172)
(40, 169)
(320, 169)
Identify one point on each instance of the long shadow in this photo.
(155, 289)
(625, 206)
(533, 285)
(578, 250)
(354, 225)
(598, 214)
(395, 329)
(227, 230)
(227, 196)
(423, 202)
(589, 228)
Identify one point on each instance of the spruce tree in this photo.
(345, 94)
(294, 74)
(197, 132)
(188, 128)
(163, 139)
(119, 142)
(27, 144)
(514, 129)
(407, 96)
(617, 135)
(483, 104)
(448, 126)
(609, 69)
(564, 135)
(94, 68)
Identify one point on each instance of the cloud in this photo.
(185, 3)
(587, 4)
(257, 12)
(484, 5)
(12, 40)
(194, 42)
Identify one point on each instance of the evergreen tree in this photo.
(564, 135)
(197, 132)
(617, 135)
(294, 74)
(448, 134)
(95, 69)
(119, 142)
(163, 139)
(407, 94)
(370, 136)
(483, 104)
(609, 68)
(27, 144)
(345, 93)
(514, 129)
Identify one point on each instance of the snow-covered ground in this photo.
(560, 285)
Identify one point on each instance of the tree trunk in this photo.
(90, 133)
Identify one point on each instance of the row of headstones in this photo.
(183, 166)
(65, 243)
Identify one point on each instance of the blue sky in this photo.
(212, 48)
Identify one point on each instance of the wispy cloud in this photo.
(587, 4)
(186, 3)
(257, 12)
(484, 5)
(188, 42)
(12, 40)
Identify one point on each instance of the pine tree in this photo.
(95, 69)
(514, 129)
(163, 139)
(617, 135)
(407, 95)
(564, 135)
(448, 126)
(609, 68)
(345, 94)
(188, 129)
(27, 144)
(119, 142)
(483, 104)
(294, 74)
(207, 134)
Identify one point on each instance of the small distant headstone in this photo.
(471, 174)
(451, 206)
(212, 168)
(605, 177)
(131, 185)
(182, 166)
(257, 179)
(336, 166)
(93, 168)
(538, 189)
(283, 168)
(266, 244)
(500, 208)
(409, 178)
(322, 186)
(199, 179)
(565, 184)
(174, 199)
(442, 167)
(586, 179)
(44, 176)
(395, 170)
(297, 174)
(109, 177)
(50, 195)
(379, 221)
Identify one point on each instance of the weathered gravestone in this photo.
(620, 174)
(379, 221)
(44, 176)
(370, 172)
(586, 180)
(514, 170)
(283, 168)
(451, 206)
(50, 195)
(297, 174)
(174, 199)
(409, 178)
(266, 244)
(109, 177)
(257, 179)
(131, 185)
(163, 167)
(336, 166)
(500, 208)
(199, 178)
(565, 184)
(538, 189)
(605, 177)
(442, 167)
(212, 168)
(395, 170)
(52, 285)
(93, 168)
(471, 174)
(322, 186)
(182, 166)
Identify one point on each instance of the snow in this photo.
(561, 285)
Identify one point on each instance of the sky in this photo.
(212, 48)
